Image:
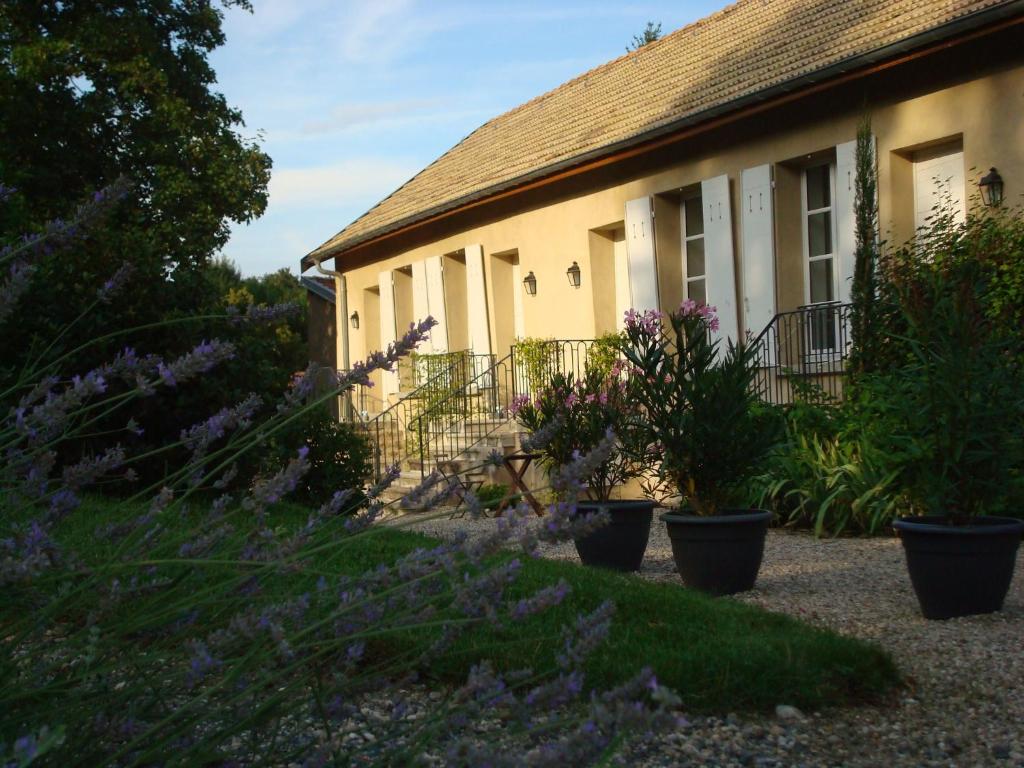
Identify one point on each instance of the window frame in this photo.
(686, 239)
(814, 350)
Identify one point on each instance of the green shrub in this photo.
(490, 495)
(340, 456)
(830, 485)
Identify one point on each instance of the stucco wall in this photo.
(909, 108)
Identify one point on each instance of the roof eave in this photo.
(963, 25)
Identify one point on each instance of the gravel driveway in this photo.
(964, 704)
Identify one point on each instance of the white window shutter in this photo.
(476, 301)
(718, 254)
(758, 248)
(846, 221)
(420, 302)
(435, 302)
(643, 266)
(388, 334)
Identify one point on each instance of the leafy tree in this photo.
(651, 33)
(865, 319)
(94, 91)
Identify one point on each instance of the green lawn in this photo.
(718, 654)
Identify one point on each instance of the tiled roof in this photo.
(744, 49)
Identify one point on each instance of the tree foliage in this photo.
(651, 33)
(94, 91)
(865, 321)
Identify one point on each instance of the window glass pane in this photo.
(823, 329)
(696, 290)
(694, 216)
(819, 234)
(821, 280)
(695, 258)
(819, 190)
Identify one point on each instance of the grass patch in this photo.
(718, 654)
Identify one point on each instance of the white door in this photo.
(718, 255)
(643, 267)
(939, 185)
(435, 300)
(623, 300)
(388, 335)
(420, 303)
(758, 248)
(476, 301)
(518, 316)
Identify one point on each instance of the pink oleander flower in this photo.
(590, 398)
(518, 403)
(571, 400)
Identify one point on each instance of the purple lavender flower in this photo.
(199, 437)
(204, 357)
(116, 283)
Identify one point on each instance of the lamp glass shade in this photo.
(991, 188)
(573, 273)
(530, 283)
(354, 320)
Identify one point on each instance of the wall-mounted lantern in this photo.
(354, 320)
(573, 273)
(530, 283)
(991, 187)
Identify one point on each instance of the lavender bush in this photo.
(192, 625)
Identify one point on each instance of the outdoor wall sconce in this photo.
(573, 273)
(530, 283)
(991, 187)
(354, 320)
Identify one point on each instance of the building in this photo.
(716, 163)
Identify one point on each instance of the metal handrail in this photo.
(808, 346)
(452, 426)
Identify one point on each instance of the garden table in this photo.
(517, 464)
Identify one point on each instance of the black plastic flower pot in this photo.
(621, 544)
(721, 554)
(960, 570)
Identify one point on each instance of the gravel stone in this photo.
(964, 697)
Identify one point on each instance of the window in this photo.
(693, 250)
(820, 252)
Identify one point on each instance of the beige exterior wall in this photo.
(985, 114)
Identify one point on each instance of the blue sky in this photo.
(351, 99)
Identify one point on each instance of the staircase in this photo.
(457, 415)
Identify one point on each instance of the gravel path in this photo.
(964, 701)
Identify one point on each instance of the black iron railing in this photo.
(388, 428)
(803, 351)
(449, 427)
(533, 369)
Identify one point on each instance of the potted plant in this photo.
(576, 415)
(960, 398)
(702, 415)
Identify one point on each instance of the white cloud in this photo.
(355, 114)
(351, 181)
